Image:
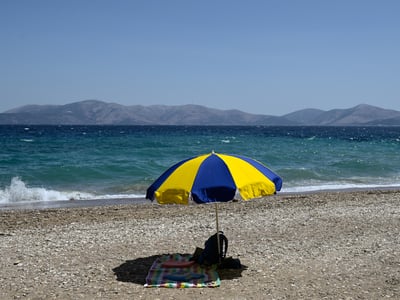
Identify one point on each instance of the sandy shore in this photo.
(336, 245)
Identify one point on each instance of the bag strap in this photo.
(225, 242)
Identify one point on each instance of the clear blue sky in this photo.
(267, 57)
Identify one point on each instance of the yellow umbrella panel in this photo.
(214, 178)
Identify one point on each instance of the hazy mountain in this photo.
(304, 116)
(358, 115)
(93, 112)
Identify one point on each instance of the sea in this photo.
(64, 163)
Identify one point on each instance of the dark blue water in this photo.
(41, 163)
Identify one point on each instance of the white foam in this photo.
(18, 192)
(328, 187)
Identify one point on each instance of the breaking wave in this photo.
(19, 192)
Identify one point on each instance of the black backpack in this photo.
(210, 255)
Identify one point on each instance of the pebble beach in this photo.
(323, 245)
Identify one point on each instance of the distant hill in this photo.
(359, 115)
(94, 112)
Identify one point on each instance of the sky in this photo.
(267, 57)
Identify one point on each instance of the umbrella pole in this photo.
(218, 241)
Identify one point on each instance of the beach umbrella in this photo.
(212, 178)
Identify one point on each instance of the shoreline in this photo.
(71, 203)
(325, 245)
(40, 205)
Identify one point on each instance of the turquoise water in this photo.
(43, 163)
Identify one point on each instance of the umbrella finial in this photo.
(213, 152)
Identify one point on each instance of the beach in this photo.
(322, 245)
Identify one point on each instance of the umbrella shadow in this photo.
(135, 271)
(229, 274)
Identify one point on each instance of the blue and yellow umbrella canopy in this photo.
(214, 177)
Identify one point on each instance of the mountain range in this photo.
(94, 112)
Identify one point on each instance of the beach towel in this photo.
(177, 271)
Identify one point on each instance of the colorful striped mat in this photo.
(161, 274)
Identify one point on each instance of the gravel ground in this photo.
(333, 245)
